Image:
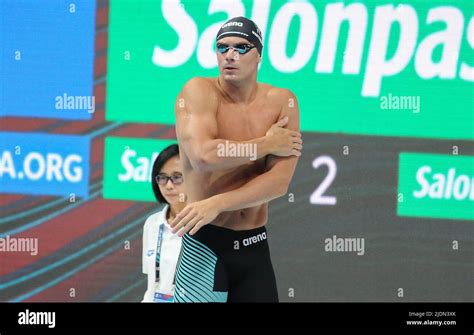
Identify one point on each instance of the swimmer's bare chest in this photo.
(238, 122)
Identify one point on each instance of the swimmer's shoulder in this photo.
(198, 95)
(201, 86)
(276, 95)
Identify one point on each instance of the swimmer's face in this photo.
(233, 65)
(172, 192)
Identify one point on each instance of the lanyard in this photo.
(158, 252)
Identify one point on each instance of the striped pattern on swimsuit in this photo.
(196, 274)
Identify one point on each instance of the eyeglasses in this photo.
(162, 179)
(240, 48)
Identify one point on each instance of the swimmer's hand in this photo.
(284, 142)
(194, 216)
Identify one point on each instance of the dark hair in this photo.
(165, 154)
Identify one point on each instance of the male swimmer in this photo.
(239, 143)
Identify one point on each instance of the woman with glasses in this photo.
(161, 247)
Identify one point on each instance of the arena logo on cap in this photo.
(233, 24)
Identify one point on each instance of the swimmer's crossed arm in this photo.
(196, 127)
(261, 189)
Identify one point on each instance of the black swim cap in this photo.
(242, 27)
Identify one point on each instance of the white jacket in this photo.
(170, 249)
